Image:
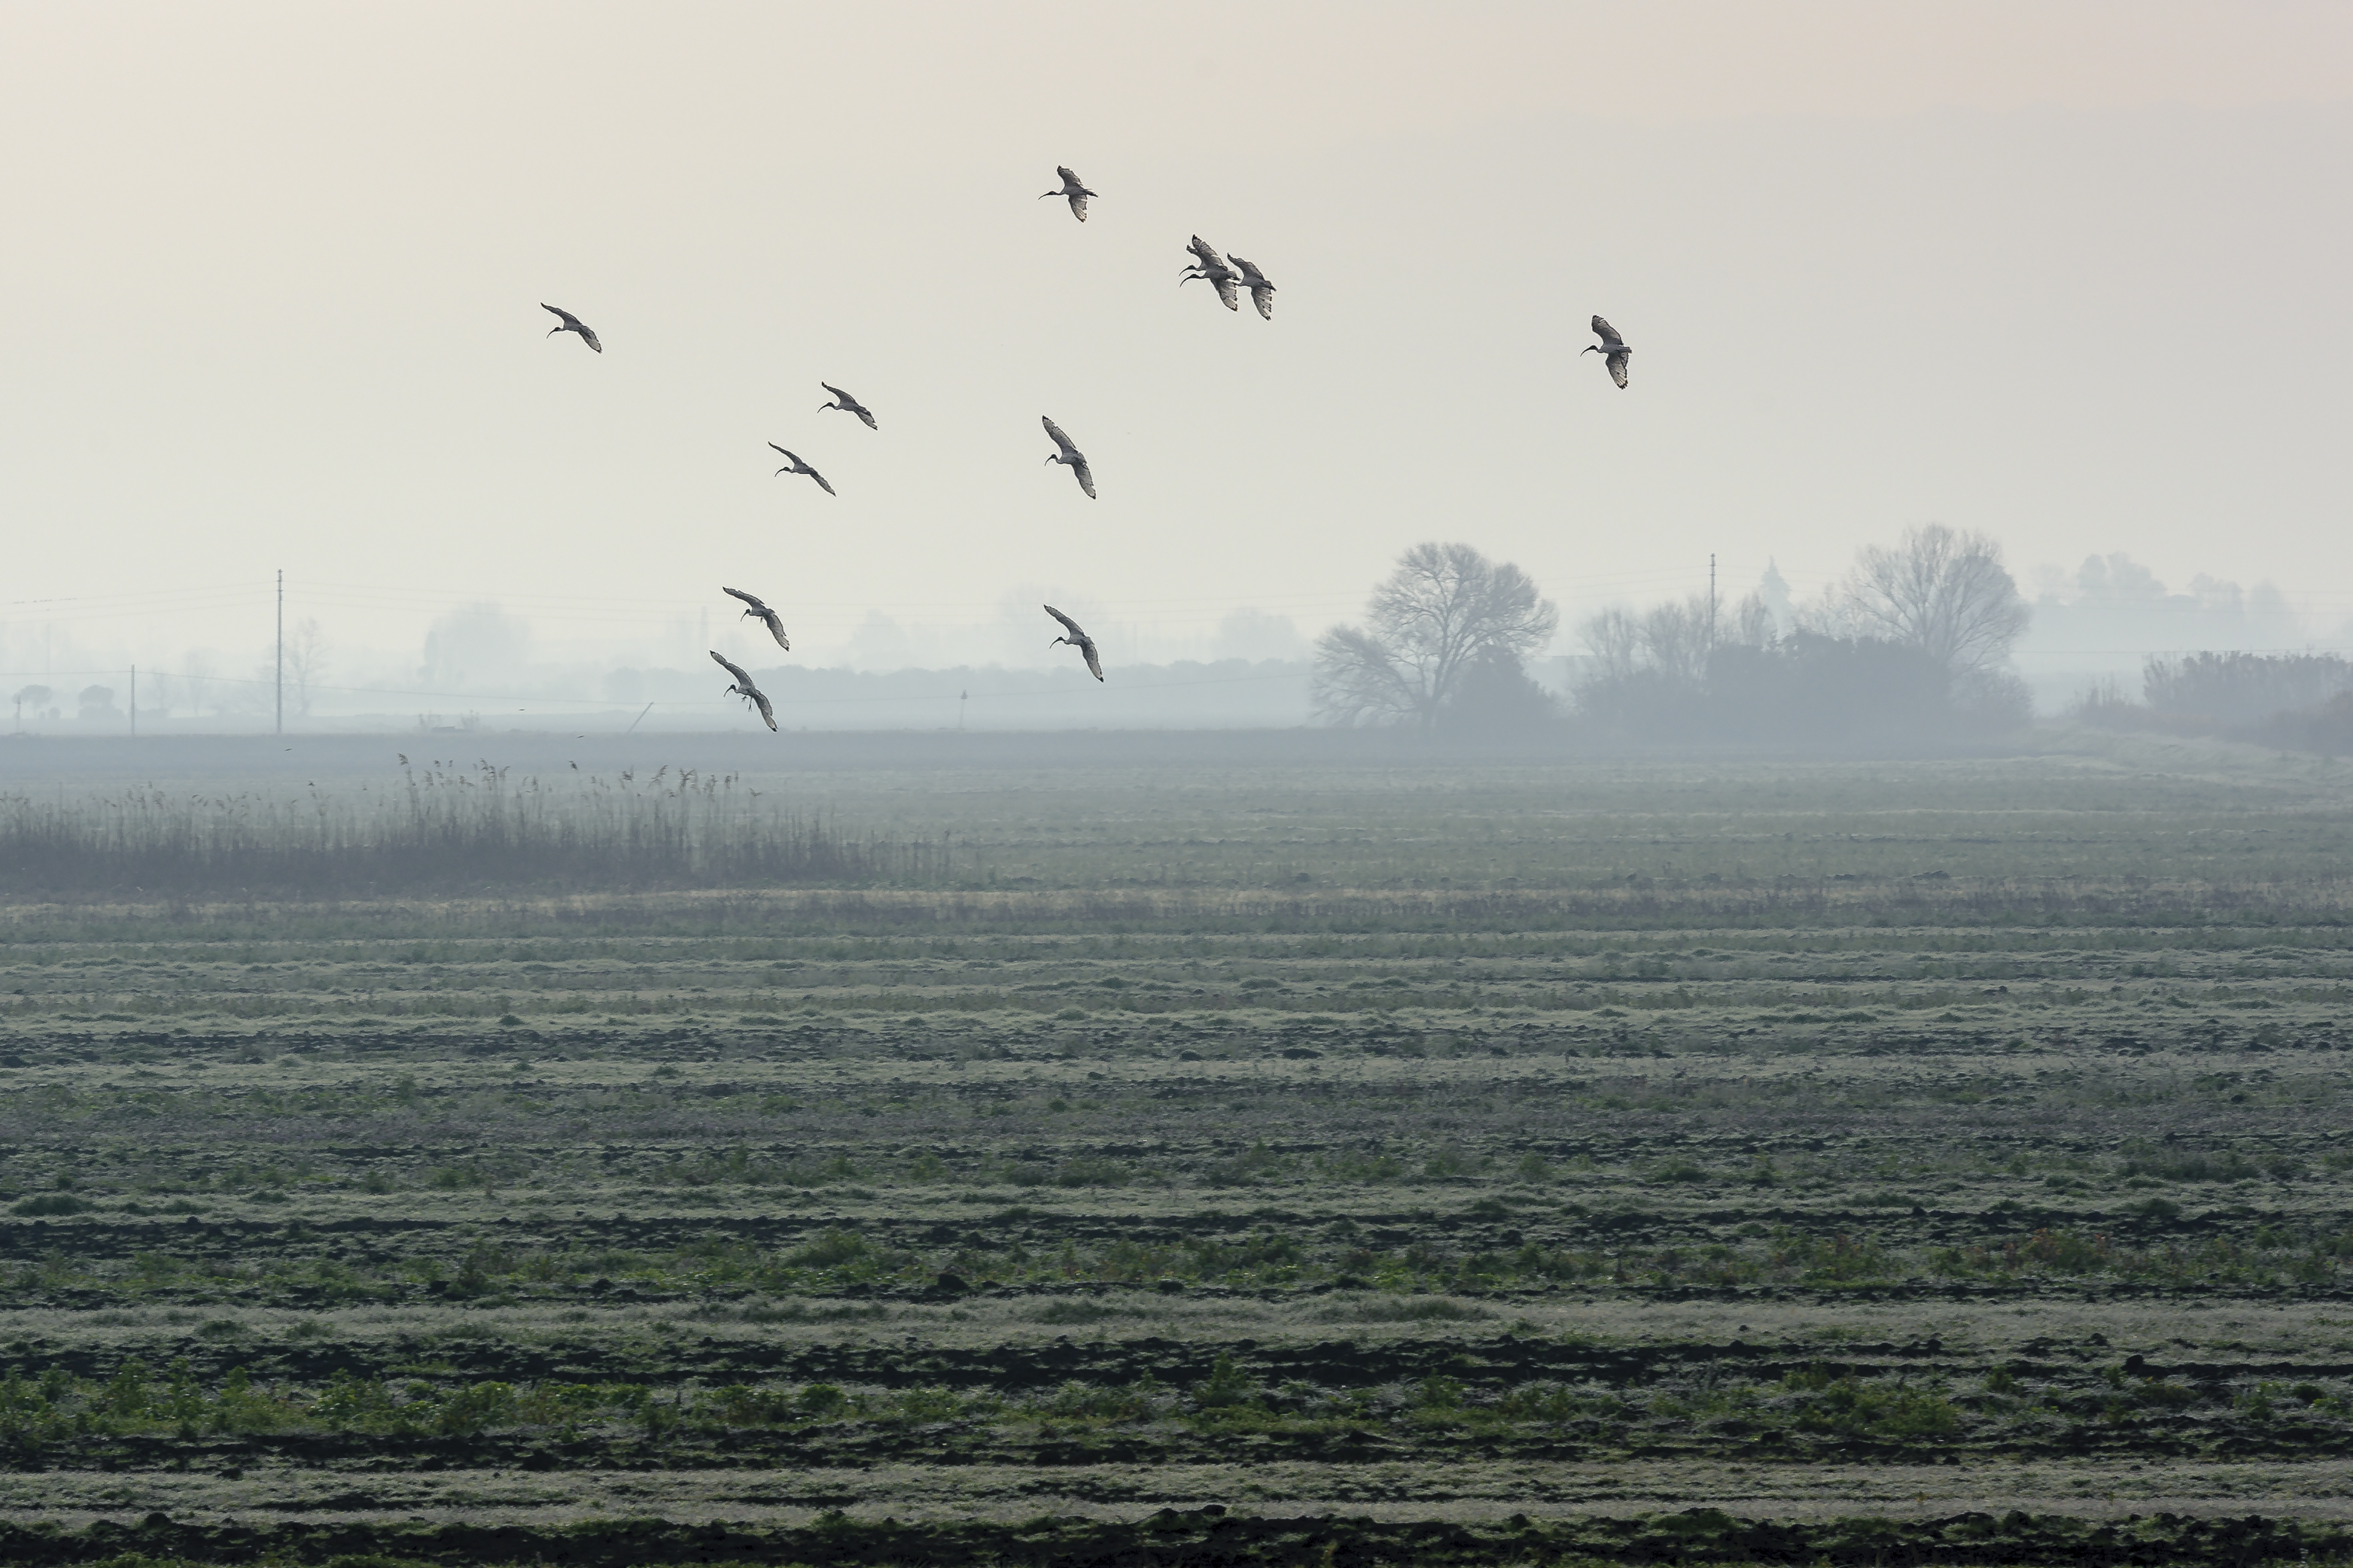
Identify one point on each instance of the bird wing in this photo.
(1086, 477)
(1208, 254)
(1078, 633)
(568, 319)
(777, 629)
(1055, 432)
(731, 667)
(760, 699)
(1606, 333)
(1226, 290)
(1069, 178)
(868, 414)
(589, 336)
(1248, 271)
(1094, 664)
(759, 605)
(1618, 367)
(812, 473)
(798, 467)
(1079, 205)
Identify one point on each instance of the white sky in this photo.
(269, 286)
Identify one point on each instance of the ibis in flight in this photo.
(1211, 268)
(848, 404)
(1070, 455)
(572, 323)
(1612, 349)
(766, 616)
(744, 688)
(1076, 635)
(1075, 189)
(1262, 287)
(800, 467)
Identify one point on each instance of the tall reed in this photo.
(442, 830)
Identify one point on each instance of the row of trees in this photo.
(1915, 637)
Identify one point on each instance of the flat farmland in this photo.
(1355, 1164)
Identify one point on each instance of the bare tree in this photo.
(1678, 638)
(1671, 643)
(306, 661)
(1940, 590)
(1614, 638)
(1444, 608)
(1755, 623)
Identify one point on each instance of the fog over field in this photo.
(726, 839)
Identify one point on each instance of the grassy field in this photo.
(1871, 1162)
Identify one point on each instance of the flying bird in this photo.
(766, 616)
(1612, 349)
(1261, 289)
(1070, 455)
(573, 323)
(1074, 188)
(744, 688)
(1211, 268)
(848, 404)
(800, 467)
(1077, 637)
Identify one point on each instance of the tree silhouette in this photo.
(1444, 609)
(1940, 590)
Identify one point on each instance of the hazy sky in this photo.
(2075, 275)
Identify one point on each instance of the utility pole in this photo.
(281, 650)
(1711, 601)
(962, 698)
(134, 701)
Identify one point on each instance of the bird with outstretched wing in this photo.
(848, 404)
(1612, 349)
(1211, 268)
(1076, 635)
(1260, 287)
(797, 466)
(1074, 188)
(572, 323)
(744, 688)
(766, 616)
(1070, 455)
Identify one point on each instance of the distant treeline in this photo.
(2302, 701)
(1910, 649)
(440, 832)
(1806, 689)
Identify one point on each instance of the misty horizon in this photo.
(2096, 622)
